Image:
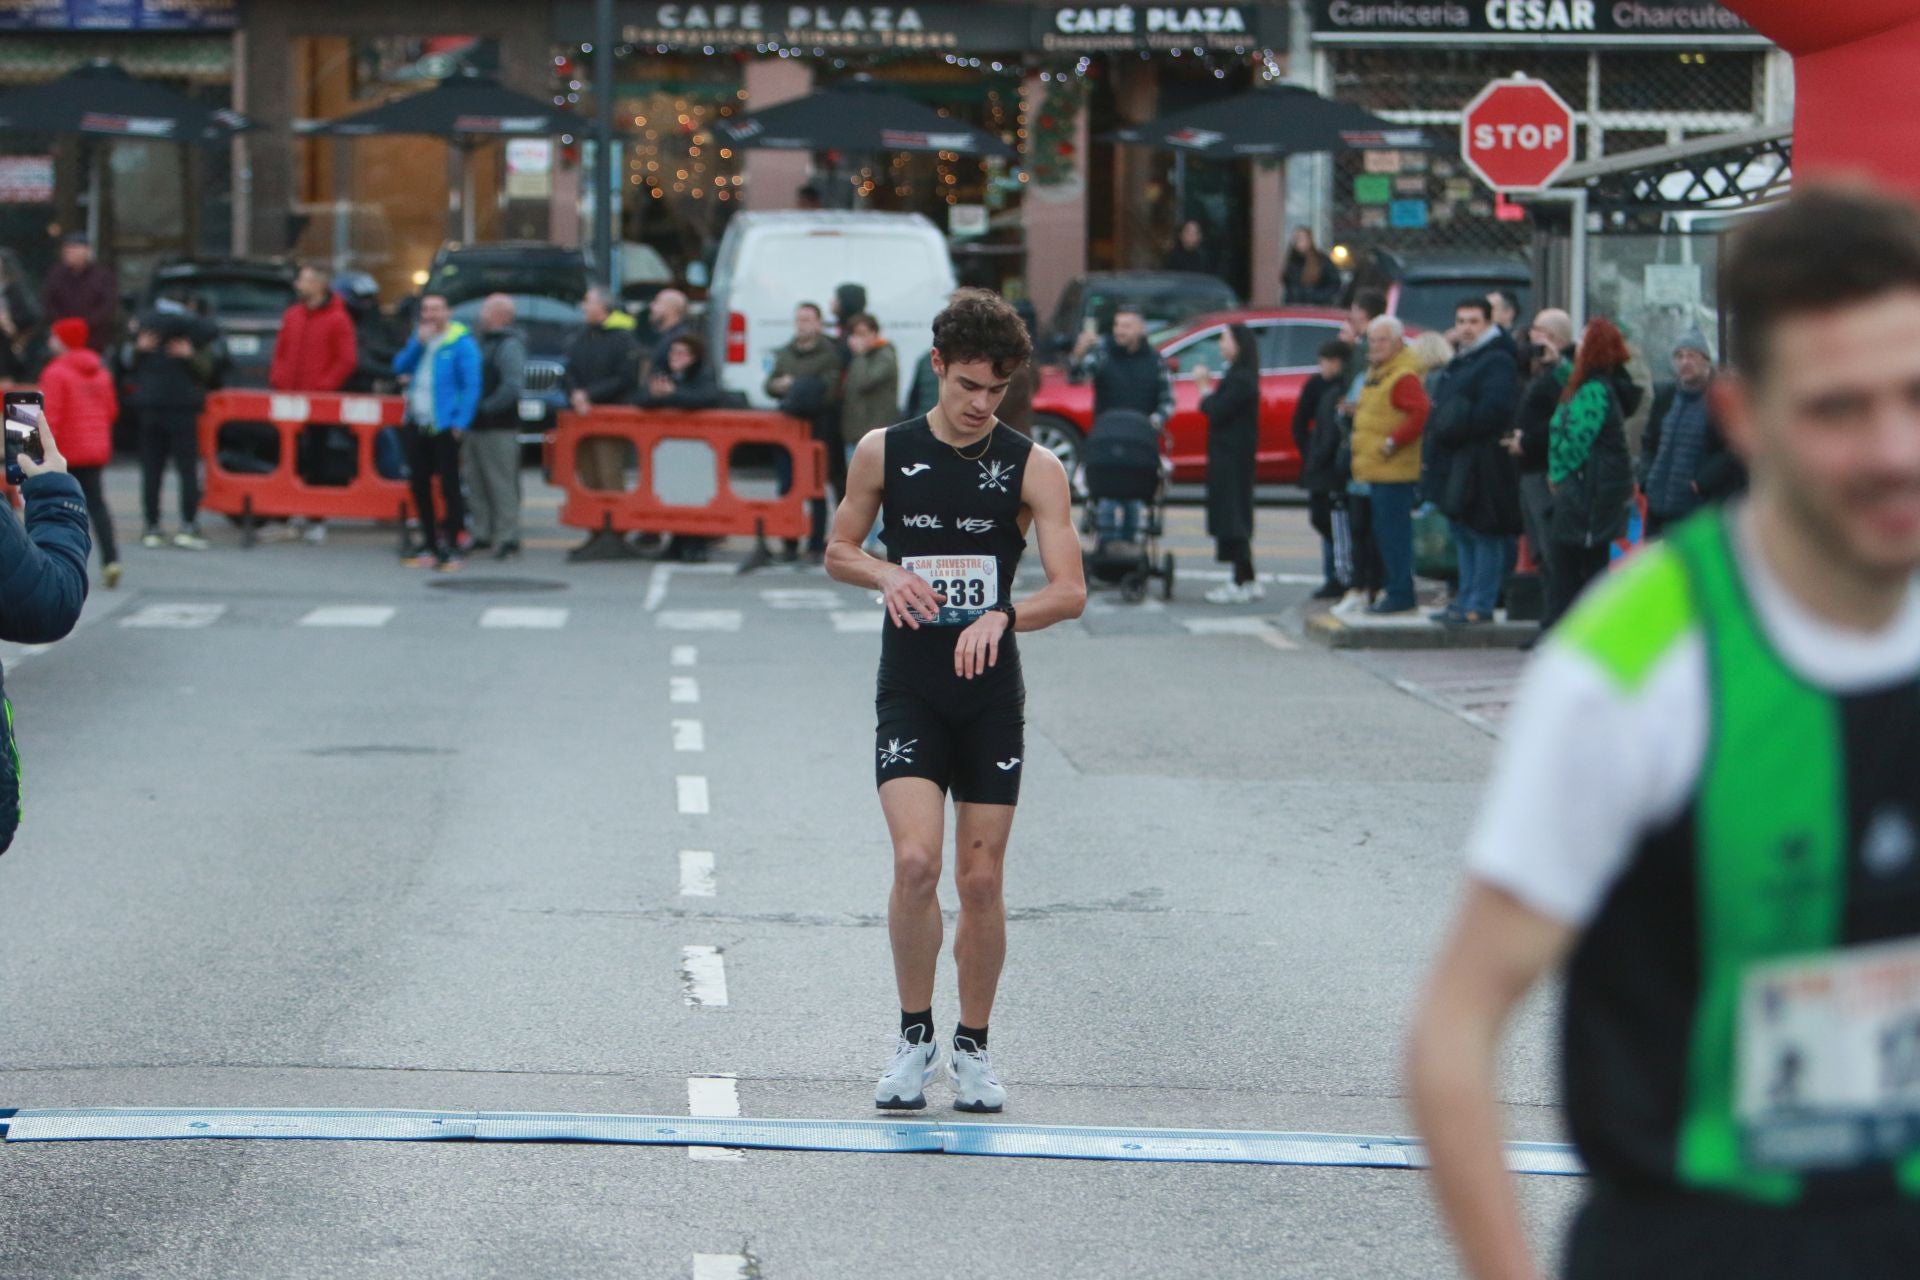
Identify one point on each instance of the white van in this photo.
(771, 262)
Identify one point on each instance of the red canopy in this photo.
(1856, 94)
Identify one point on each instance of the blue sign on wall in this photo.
(1410, 215)
(119, 15)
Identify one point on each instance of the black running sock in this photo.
(975, 1036)
(917, 1027)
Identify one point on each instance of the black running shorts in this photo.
(967, 737)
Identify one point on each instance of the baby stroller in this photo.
(1123, 475)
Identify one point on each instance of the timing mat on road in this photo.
(1062, 1142)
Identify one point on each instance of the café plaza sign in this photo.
(1005, 27)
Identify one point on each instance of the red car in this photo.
(1290, 340)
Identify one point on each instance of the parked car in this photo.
(1167, 299)
(244, 297)
(546, 283)
(1423, 290)
(770, 262)
(1290, 339)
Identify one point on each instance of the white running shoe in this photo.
(1256, 590)
(904, 1086)
(975, 1087)
(1229, 593)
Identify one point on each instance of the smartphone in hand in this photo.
(22, 429)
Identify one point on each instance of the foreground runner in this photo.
(960, 491)
(1709, 804)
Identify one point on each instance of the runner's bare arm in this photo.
(907, 594)
(1046, 493)
(1498, 949)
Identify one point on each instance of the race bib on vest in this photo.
(1829, 1058)
(970, 585)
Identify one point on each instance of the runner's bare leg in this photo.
(980, 939)
(916, 810)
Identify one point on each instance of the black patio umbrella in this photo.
(467, 107)
(1279, 121)
(466, 110)
(859, 116)
(101, 100)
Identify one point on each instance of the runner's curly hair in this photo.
(982, 325)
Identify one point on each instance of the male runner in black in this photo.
(959, 490)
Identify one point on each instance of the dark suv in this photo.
(244, 297)
(546, 283)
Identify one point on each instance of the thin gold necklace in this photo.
(985, 445)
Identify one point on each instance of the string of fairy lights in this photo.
(672, 154)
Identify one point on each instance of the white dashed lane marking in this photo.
(689, 735)
(683, 689)
(690, 792)
(350, 615)
(177, 617)
(714, 1096)
(523, 617)
(696, 874)
(703, 977)
(684, 655)
(865, 622)
(720, 1266)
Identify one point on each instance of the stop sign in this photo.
(1517, 134)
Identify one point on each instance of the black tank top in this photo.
(942, 514)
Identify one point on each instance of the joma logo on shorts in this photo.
(921, 522)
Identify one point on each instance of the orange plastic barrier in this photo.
(282, 493)
(641, 509)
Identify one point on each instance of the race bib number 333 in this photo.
(970, 585)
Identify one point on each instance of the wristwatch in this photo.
(1012, 617)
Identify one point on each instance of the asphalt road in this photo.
(413, 851)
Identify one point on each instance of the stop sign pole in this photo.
(1517, 134)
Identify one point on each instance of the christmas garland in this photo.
(1051, 155)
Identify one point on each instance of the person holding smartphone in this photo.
(43, 561)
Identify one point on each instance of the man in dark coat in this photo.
(78, 285)
(1686, 463)
(1550, 344)
(1468, 475)
(1317, 434)
(603, 367)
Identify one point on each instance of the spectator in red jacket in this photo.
(77, 392)
(317, 351)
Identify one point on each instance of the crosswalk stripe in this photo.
(684, 655)
(350, 615)
(683, 689)
(866, 620)
(504, 617)
(720, 1266)
(697, 619)
(801, 598)
(689, 735)
(177, 617)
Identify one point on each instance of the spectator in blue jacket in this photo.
(43, 583)
(441, 369)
